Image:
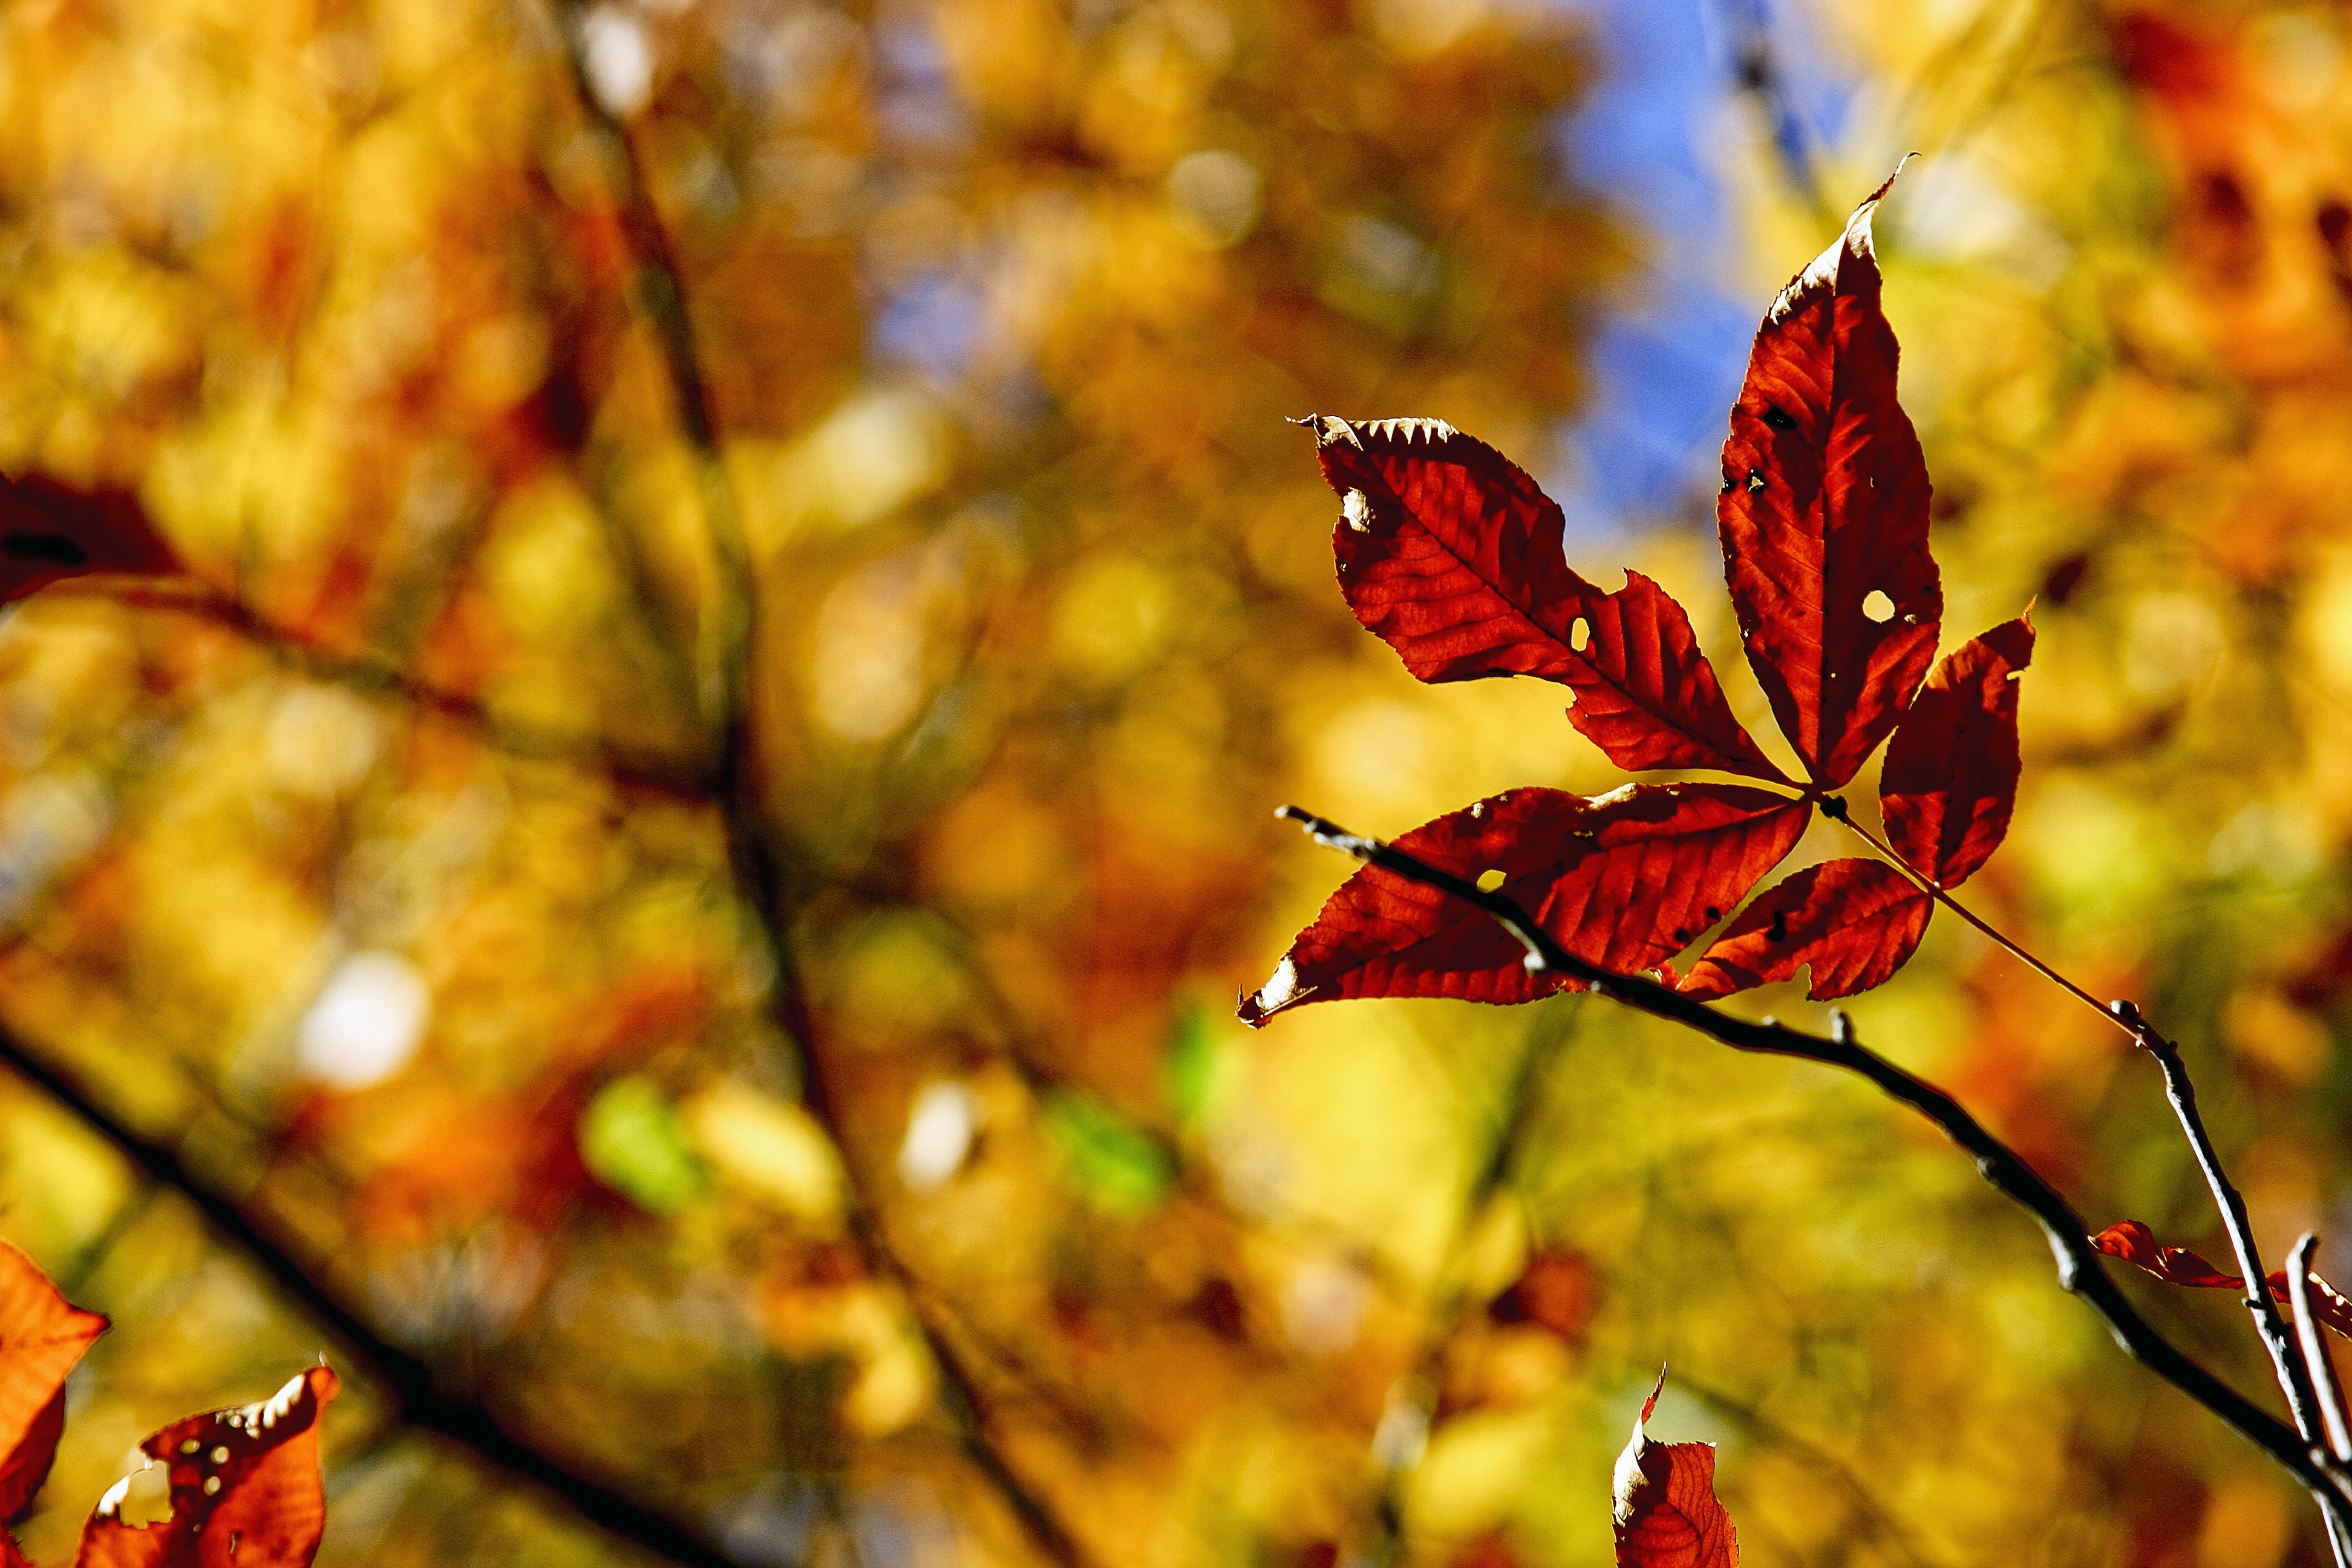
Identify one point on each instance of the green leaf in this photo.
(1110, 1162)
(633, 1140)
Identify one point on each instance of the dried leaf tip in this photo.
(1822, 272)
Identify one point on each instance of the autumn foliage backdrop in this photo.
(778, 1066)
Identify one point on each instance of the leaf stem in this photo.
(1835, 808)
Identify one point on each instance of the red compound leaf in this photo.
(1824, 515)
(1450, 552)
(1949, 783)
(50, 530)
(1622, 881)
(41, 1336)
(2136, 1244)
(1666, 1512)
(246, 1491)
(1853, 921)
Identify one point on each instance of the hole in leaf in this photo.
(1580, 635)
(1489, 880)
(1878, 607)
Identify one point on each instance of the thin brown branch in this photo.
(2321, 1369)
(2293, 1377)
(2321, 1365)
(2079, 1263)
(725, 641)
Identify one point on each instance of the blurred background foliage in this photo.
(690, 856)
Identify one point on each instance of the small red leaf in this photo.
(1855, 922)
(1622, 881)
(50, 530)
(2136, 1244)
(1949, 783)
(246, 1491)
(1824, 514)
(1666, 1512)
(41, 1336)
(1450, 552)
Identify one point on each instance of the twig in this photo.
(409, 1380)
(2079, 1270)
(2293, 1377)
(2316, 1359)
(2322, 1373)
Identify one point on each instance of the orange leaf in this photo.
(41, 1336)
(246, 1491)
(2136, 1244)
(1668, 1515)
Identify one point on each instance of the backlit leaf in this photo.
(2136, 1244)
(1622, 881)
(1853, 921)
(1666, 1512)
(1452, 553)
(1824, 505)
(41, 1337)
(245, 1489)
(1949, 783)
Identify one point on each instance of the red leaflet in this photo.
(50, 530)
(2136, 1244)
(1666, 1512)
(1950, 779)
(1855, 922)
(1450, 552)
(1647, 697)
(245, 1489)
(41, 1337)
(1622, 881)
(1824, 505)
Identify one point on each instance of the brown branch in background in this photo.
(1883, 1526)
(626, 767)
(727, 640)
(2079, 1270)
(417, 1395)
